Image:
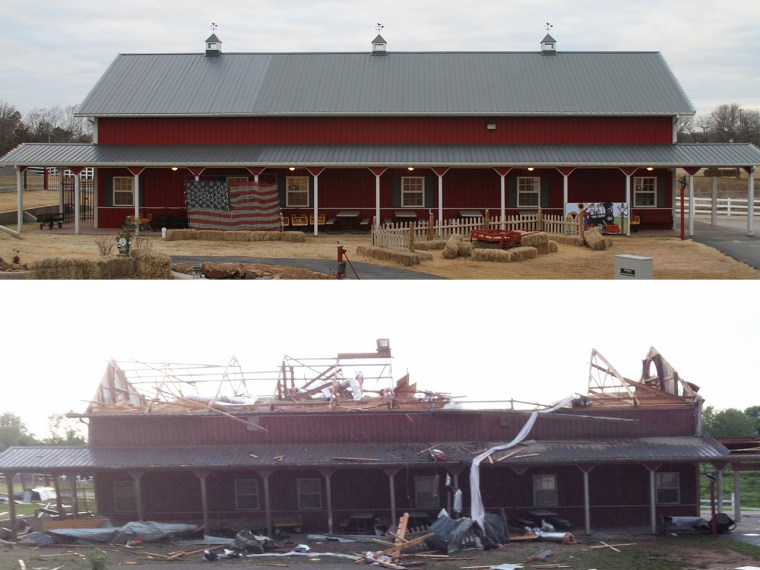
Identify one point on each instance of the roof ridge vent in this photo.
(379, 44)
(213, 44)
(548, 44)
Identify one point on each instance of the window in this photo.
(309, 493)
(667, 485)
(528, 191)
(297, 191)
(246, 494)
(545, 490)
(412, 191)
(124, 497)
(123, 191)
(645, 192)
(426, 492)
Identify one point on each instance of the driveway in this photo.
(730, 237)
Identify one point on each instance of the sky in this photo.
(54, 52)
(494, 340)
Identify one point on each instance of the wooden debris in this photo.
(278, 458)
(520, 537)
(603, 544)
(22, 564)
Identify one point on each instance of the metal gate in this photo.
(86, 193)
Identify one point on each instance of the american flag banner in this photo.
(252, 206)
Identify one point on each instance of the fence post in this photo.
(411, 237)
(374, 227)
(581, 229)
(487, 220)
(728, 207)
(540, 221)
(431, 223)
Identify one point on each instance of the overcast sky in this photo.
(54, 52)
(484, 340)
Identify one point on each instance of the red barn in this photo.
(331, 453)
(386, 135)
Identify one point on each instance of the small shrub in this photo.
(105, 245)
(139, 244)
(97, 559)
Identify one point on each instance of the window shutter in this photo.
(662, 192)
(108, 191)
(311, 191)
(544, 198)
(430, 187)
(511, 192)
(396, 193)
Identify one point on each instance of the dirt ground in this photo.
(672, 258)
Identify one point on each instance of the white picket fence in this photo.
(401, 235)
(724, 206)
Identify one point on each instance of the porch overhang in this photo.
(678, 155)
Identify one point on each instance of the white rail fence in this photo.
(403, 235)
(724, 206)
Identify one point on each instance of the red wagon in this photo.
(505, 238)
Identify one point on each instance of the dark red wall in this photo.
(385, 130)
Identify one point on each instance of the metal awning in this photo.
(682, 155)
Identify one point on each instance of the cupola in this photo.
(548, 45)
(213, 46)
(379, 45)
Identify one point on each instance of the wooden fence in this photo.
(404, 235)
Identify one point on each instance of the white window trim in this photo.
(405, 193)
(290, 181)
(659, 486)
(536, 180)
(430, 480)
(124, 490)
(239, 494)
(132, 191)
(301, 493)
(637, 182)
(542, 503)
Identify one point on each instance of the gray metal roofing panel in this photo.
(401, 83)
(464, 156)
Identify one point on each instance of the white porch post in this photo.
(691, 205)
(19, 199)
(95, 177)
(503, 200)
(737, 495)
(440, 198)
(316, 210)
(652, 501)
(750, 201)
(377, 200)
(137, 203)
(586, 470)
(628, 201)
(714, 201)
(77, 207)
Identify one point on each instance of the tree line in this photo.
(54, 124)
(726, 124)
(732, 422)
(61, 431)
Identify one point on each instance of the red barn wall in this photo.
(385, 130)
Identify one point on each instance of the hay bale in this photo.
(522, 253)
(534, 239)
(237, 235)
(210, 235)
(405, 258)
(553, 246)
(178, 235)
(594, 239)
(118, 268)
(432, 245)
(465, 248)
(452, 247)
(608, 242)
(260, 235)
(489, 254)
(153, 266)
(292, 237)
(568, 240)
(64, 268)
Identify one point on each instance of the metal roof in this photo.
(402, 83)
(353, 156)
(666, 449)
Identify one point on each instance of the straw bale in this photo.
(431, 245)
(452, 247)
(64, 268)
(534, 239)
(152, 265)
(522, 253)
(292, 237)
(237, 235)
(608, 242)
(210, 235)
(177, 235)
(118, 268)
(595, 240)
(490, 254)
(553, 246)
(465, 248)
(260, 235)
(568, 240)
(404, 258)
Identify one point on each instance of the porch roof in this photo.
(714, 155)
(55, 459)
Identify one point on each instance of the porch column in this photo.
(377, 172)
(11, 503)
(737, 495)
(204, 497)
(327, 474)
(315, 172)
(136, 171)
(566, 172)
(691, 171)
(95, 202)
(256, 171)
(714, 201)
(719, 487)
(265, 474)
(440, 171)
(454, 472)
(391, 473)
(76, 171)
(20, 198)
(652, 495)
(750, 199)
(586, 469)
(502, 172)
(628, 171)
(61, 178)
(137, 478)
(58, 497)
(74, 494)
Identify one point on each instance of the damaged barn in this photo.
(342, 446)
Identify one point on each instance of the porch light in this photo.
(174, 168)
(292, 168)
(650, 169)
(410, 167)
(530, 169)
(490, 125)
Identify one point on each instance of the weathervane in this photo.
(213, 26)
(548, 27)
(379, 27)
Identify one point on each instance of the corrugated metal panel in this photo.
(628, 83)
(164, 156)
